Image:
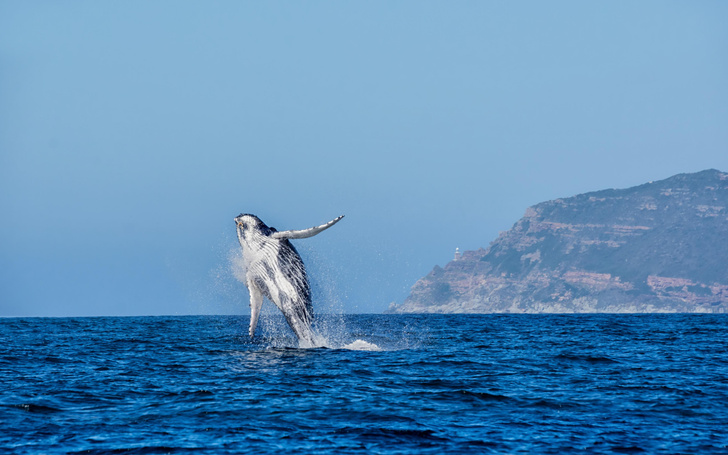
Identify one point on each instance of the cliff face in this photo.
(657, 247)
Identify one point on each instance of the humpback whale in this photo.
(274, 269)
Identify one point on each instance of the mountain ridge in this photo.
(656, 247)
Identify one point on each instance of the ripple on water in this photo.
(381, 384)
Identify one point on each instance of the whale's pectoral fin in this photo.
(256, 301)
(305, 233)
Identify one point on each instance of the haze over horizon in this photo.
(131, 134)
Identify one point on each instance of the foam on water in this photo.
(361, 345)
(330, 331)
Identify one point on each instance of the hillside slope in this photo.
(657, 247)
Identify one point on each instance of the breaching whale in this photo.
(274, 269)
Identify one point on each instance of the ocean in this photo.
(387, 384)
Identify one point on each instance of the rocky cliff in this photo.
(657, 247)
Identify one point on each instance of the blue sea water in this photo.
(438, 384)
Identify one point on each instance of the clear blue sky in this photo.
(131, 134)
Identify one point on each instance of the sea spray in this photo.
(331, 325)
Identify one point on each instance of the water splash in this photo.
(330, 323)
(237, 263)
(330, 331)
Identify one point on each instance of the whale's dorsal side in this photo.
(305, 233)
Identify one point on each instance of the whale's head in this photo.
(251, 230)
